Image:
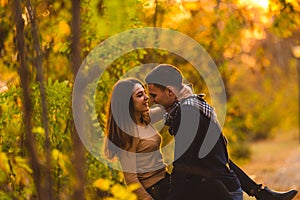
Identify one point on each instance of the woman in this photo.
(133, 140)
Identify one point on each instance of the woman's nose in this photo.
(146, 97)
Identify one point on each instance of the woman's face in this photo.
(140, 99)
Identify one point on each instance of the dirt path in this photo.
(276, 164)
(288, 175)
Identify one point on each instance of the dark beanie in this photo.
(165, 75)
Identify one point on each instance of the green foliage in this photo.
(7, 61)
(10, 120)
(12, 137)
(15, 173)
(287, 21)
(54, 26)
(236, 132)
(59, 112)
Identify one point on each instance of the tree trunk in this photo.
(27, 105)
(40, 78)
(155, 14)
(78, 148)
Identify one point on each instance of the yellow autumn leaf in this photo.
(39, 130)
(134, 186)
(4, 162)
(48, 38)
(61, 159)
(3, 2)
(64, 28)
(109, 198)
(132, 196)
(191, 5)
(55, 154)
(57, 47)
(120, 192)
(102, 184)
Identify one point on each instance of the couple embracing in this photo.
(134, 141)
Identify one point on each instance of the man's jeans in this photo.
(237, 195)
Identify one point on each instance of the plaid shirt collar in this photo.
(198, 102)
(194, 100)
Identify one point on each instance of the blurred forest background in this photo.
(42, 45)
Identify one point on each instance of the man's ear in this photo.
(170, 91)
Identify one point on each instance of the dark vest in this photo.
(200, 122)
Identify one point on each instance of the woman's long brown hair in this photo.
(120, 127)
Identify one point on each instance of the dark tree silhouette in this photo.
(78, 149)
(24, 74)
(40, 78)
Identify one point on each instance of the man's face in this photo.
(166, 97)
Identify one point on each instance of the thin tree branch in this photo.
(155, 13)
(40, 79)
(27, 105)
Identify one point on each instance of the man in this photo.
(191, 120)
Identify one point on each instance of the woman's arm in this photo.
(156, 114)
(129, 166)
(131, 178)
